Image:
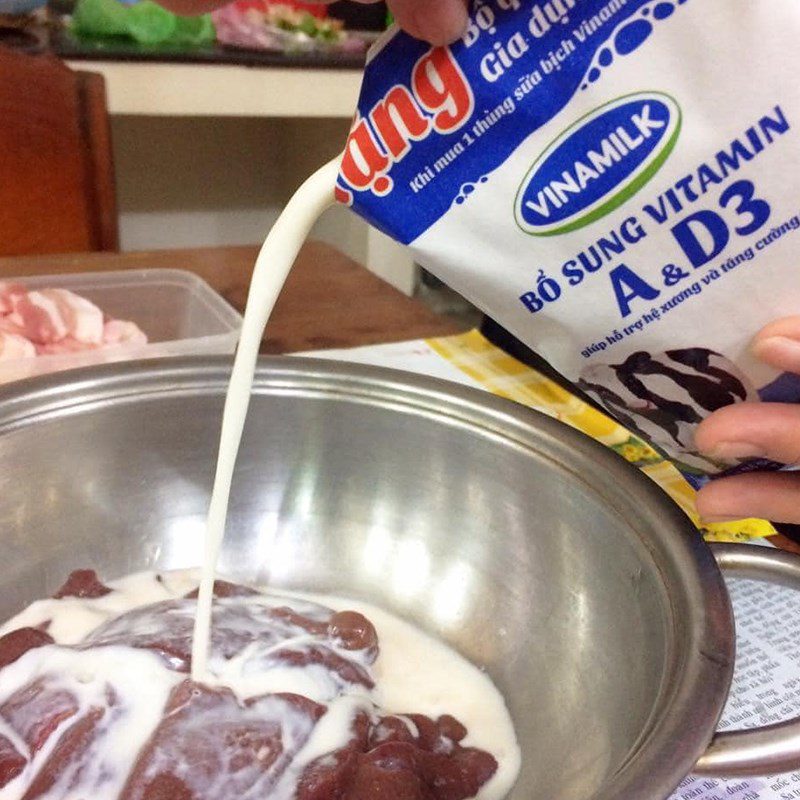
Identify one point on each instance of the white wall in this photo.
(199, 181)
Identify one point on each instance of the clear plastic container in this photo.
(179, 312)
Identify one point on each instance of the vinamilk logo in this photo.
(598, 163)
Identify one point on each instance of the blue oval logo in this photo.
(598, 163)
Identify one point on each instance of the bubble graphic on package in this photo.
(664, 397)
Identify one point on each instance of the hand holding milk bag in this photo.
(754, 429)
(616, 182)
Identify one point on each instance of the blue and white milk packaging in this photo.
(616, 182)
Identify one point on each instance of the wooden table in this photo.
(328, 302)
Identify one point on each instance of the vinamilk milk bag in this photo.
(617, 182)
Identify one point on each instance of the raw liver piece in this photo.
(205, 743)
(82, 583)
(11, 762)
(210, 746)
(274, 637)
(14, 645)
(392, 759)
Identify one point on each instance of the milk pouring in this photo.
(615, 181)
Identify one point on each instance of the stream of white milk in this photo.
(271, 270)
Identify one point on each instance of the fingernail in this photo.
(729, 451)
(779, 348)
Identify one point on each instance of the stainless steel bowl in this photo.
(583, 591)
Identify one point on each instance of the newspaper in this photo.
(414, 356)
(766, 686)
